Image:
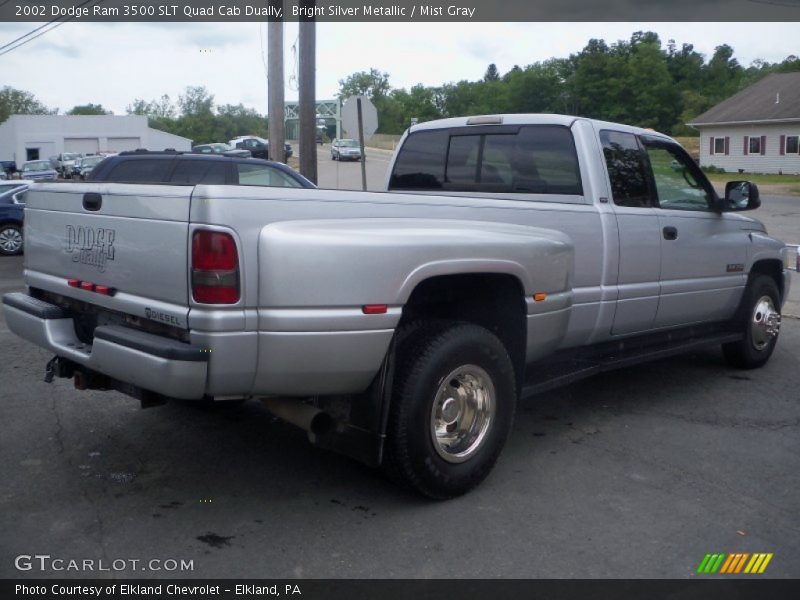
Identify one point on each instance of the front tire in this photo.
(452, 407)
(760, 320)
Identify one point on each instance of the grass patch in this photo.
(767, 183)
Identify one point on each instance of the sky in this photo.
(114, 63)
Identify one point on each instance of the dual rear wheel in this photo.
(452, 408)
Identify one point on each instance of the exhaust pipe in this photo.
(310, 419)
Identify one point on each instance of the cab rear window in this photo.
(535, 159)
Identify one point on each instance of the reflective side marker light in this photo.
(374, 309)
(87, 285)
(74, 283)
(539, 297)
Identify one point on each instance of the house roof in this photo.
(774, 98)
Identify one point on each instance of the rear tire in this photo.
(759, 318)
(452, 407)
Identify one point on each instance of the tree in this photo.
(20, 102)
(372, 83)
(89, 109)
(491, 73)
(196, 101)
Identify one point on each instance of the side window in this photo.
(627, 169)
(264, 175)
(140, 171)
(792, 144)
(678, 181)
(420, 163)
(193, 172)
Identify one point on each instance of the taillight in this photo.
(215, 268)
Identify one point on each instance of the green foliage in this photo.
(712, 169)
(198, 118)
(372, 83)
(19, 102)
(89, 109)
(637, 81)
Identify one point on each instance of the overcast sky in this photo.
(113, 63)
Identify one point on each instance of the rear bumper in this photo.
(148, 361)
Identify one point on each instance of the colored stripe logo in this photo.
(732, 564)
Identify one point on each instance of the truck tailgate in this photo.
(126, 237)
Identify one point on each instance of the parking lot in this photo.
(636, 473)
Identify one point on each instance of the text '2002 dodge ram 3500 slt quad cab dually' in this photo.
(510, 255)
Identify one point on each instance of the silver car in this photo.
(345, 149)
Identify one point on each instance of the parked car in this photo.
(64, 163)
(221, 148)
(345, 149)
(11, 217)
(39, 170)
(185, 168)
(8, 168)
(83, 166)
(259, 147)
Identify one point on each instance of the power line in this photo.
(55, 22)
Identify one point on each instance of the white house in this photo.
(34, 137)
(756, 130)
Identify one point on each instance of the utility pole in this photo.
(308, 100)
(275, 108)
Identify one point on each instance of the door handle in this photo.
(92, 201)
(670, 233)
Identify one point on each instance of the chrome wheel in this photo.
(10, 240)
(765, 323)
(463, 411)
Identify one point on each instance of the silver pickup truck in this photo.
(510, 254)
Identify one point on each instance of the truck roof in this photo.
(525, 119)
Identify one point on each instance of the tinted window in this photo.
(462, 160)
(627, 169)
(140, 171)
(420, 164)
(536, 159)
(250, 174)
(193, 172)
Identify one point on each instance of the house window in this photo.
(792, 144)
(719, 145)
(754, 145)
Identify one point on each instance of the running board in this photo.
(553, 373)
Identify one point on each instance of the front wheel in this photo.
(452, 407)
(760, 319)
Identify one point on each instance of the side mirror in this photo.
(741, 195)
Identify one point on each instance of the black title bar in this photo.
(404, 10)
(738, 588)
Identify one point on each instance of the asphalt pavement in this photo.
(636, 473)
